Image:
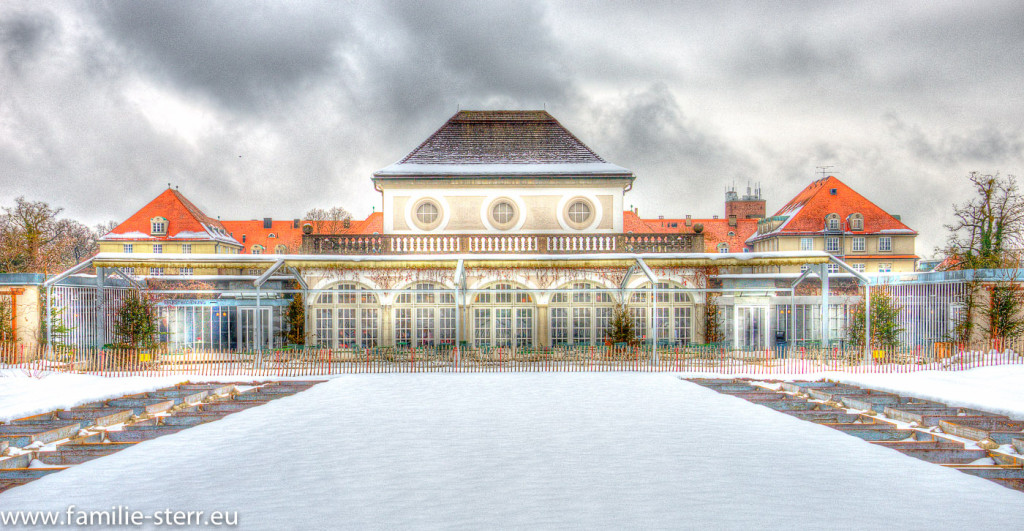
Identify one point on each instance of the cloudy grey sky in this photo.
(262, 109)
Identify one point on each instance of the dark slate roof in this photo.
(501, 142)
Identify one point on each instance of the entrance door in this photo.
(751, 327)
(247, 328)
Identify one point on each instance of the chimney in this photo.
(295, 223)
(688, 220)
(268, 223)
(661, 216)
(732, 220)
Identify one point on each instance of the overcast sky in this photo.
(258, 109)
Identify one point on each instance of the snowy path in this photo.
(475, 451)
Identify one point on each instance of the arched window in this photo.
(348, 316)
(158, 225)
(832, 222)
(281, 249)
(257, 249)
(674, 310)
(503, 318)
(723, 247)
(424, 315)
(856, 222)
(582, 316)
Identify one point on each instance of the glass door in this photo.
(247, 328)
(751, 327)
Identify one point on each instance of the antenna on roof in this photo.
(168, 185)
(824, 171)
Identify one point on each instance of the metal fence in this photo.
(710, 359)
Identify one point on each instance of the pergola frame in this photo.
(294, 264)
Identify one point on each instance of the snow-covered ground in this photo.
(24, 393)
(995, 389)
(470, 451)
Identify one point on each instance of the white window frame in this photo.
(128, 248)
(884, 244)
(564, 318)
(858, 244)
(500, 322)
(423, 327)
(832, 244)
(885, 267)
(186, 248)
(806, 244)
(158, 248)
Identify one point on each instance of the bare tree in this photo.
(329, 220)
(33, 239)
(988, 233)
(989, 228)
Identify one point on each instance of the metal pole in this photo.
(258, 331)
(101, 309)
(654, 322)
(458, 321)
(49, 319)
(867, 324)
(824, 305)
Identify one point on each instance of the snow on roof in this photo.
(184, 221)
(806, 212)
(579, 168)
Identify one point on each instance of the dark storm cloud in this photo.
(241, 53)
(271, 108)
(794, 56)
(954, 147)
(23, 36)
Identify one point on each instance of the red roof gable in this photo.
(807, 211)
(185, 222)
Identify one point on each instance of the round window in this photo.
(579, 213)
(503, 213)
(426, 214)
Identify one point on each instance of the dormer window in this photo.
(158, 226)
(271, 235)
(257, 249)
(856, 222)
(832, 222)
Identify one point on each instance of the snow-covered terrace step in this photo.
(835, 394)
(954, 456)
(16, 461)
(136, 433)
(142, 404)
(86, 417)
(180, 396)
(931, 415)
(1019, 445)
(21, 435)
(979, 428)
(78, 453)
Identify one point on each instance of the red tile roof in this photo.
(715, 230)
(255, 234)
(185, 222)
(806, 212)
(286, 234)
